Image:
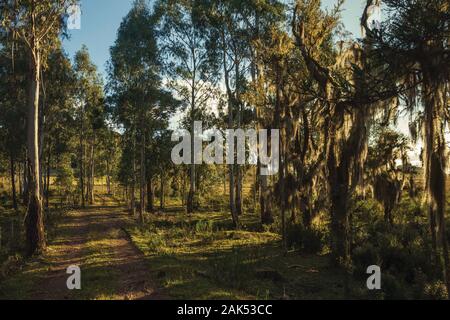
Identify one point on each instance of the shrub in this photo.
(393, 288)
(435, 291)
(310, 241)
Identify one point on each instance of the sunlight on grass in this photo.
(200, 257)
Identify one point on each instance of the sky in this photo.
(100, 20)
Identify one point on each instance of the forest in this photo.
(88, 177)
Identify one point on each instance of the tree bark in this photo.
(91, 195)
(34, 221)
(338, 179)
(13, 182)
(20, 177)
(142, 180)
(108, 178)
(150, 196)
(133, 181)
(162, 193)
(81, 178)
(435, 166)
(239, 123)
(191, 201)
(47, 189)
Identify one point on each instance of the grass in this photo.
(201, 257)
(196, 256)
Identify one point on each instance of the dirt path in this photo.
(111, 267)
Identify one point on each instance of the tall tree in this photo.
(13, 69)
(37, 24)
(413, 45)
(141, 104)
(193, 70)
(58, 82)
(90, 116)
(344, 91)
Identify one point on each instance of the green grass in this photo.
(196, 256)
(201, 257)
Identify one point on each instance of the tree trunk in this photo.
(190, 206)
(133, 180)
(150, 196)
(20, 177)
(339, 218)
(264, 202)
(34, 221)
(162, 193)
(231, 98)
(108, 178)
(142, 180)
(239, 190)
(225, 181)
(192, 188)
(183, 200)
(231, 168)
(81, 178)
(238, 167)
(47, 190)
(264, 191)
(435, 166)
(13, 182)
(25, 179)
(305, 209)
(280, 118)
(91, 195)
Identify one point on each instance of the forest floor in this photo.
(174, 256)
(93, 239)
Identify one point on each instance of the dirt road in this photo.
(111, 267)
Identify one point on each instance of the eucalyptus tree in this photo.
(36, 24)
(90, 116)
(237, 25)
(141, 105)
(227, 22)
(192, 69)
(58, 123)
(13, 69)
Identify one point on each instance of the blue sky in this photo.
(101, 19)
(99, 23)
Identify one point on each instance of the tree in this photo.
(344, 90)
(193, 70)
(37, 24)
(91, 112)
(387, 148)
(13, 98)
(413, 46)
(141, 105)
(58, 101)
